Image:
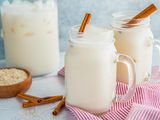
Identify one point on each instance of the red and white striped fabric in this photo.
(144, 111)
(145, 104)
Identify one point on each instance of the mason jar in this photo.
(136, 40)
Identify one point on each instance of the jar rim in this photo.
(120, 20)
(126, 13)
(80, 34)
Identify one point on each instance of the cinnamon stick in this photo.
(28, 97)
(86, 20)
(44, 101)
(59, 107)
(143, 14)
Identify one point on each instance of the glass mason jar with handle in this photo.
(30, 31)
(90, 70)
(135, 40)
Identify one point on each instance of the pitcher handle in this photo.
(131, 77)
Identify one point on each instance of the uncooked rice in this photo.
(11, 76)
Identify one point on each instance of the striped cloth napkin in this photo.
(145, 104)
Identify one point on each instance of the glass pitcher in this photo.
(135, 40)
(30, 31)
(90, 71)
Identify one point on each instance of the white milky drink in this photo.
(135, 41)
(90, 69)
(31, 35)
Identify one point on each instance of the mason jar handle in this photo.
(157, 45)
(131, 77)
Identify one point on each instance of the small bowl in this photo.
(12, 90)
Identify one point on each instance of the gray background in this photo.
(71, 12)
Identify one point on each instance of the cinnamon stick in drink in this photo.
(59, 107)
(86, 20)
(143, 14)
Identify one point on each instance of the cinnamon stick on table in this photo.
(28, 97)
(42, 102)
(59, 107)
